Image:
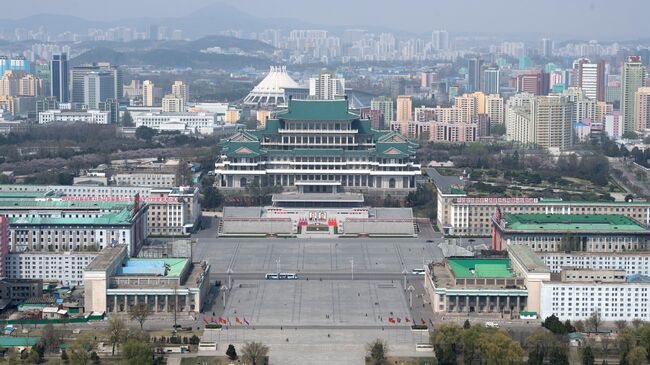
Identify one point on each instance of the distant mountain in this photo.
(54, 23)
(205, 21)
(171, 58)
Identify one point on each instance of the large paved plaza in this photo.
(346, 292)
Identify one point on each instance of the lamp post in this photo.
(352, 265)
(411, 289)
(404, 272)
(229, 272)
(224, 289)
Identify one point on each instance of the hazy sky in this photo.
(582, 18)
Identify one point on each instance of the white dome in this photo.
(270, 91)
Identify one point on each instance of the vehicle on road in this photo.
(429, 241)
(417, 271)
(491, 325)
(281, 276)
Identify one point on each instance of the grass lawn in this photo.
(410, 360)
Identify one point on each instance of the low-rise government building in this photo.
(114, 283)
(570, 232)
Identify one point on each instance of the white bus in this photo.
(281, 276)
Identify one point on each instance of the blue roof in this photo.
(142, 267)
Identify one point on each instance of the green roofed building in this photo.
(318, 146)
(570, 232)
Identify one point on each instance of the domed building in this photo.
(270, 91)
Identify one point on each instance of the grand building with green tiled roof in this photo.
(318, 146)
(570, 232)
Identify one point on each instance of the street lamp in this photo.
(410, 289)
(224, 289)
(229, 272)
(352, 264)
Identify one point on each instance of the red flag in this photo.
(407, 319)
(391, 320)
(237, 320)
(422, 321)
(399, 320)
(223, 320)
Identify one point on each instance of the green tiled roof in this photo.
(28, 194)
(122, 217)
(572, 222)
(175, 266)
(18, 341)
(317, 110)
(480, 268)
(66, 204)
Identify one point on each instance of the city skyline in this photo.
(578, 19)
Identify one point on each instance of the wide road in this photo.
(382, 276)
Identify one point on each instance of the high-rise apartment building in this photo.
(467, 106)
(14, 64)
(10, 83)
(327, 86)
(491, 80)
(59, 77)
(383, 104)
(642, 109)
(590, 77)
(148, 93)
(110, 74)
(404, 108)
(494, 108)
(97, 88)
(543, 121)
(173, 104)
(632, 77)
(181, 90)
(30, 85)
(440, 40)
(547, 47)
(474, 74)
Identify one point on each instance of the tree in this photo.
(594, 321)
(376, 351)
(629, 135)
(95, 358)
(145, 133)
(497, 129)
(64, 357)
(540, 343)
(51, 338)
(588, 356)
(447, 341)
(231, 352)
(636, 323)
(559, 356)
(127, 120)
(254, 352)
(620, 324)
(81, 348)
(637, 356)
(497, 348)
(467, 325)
(116, 332)
(140, 313)
(34, 356)
(553, 324)
(137, 353)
